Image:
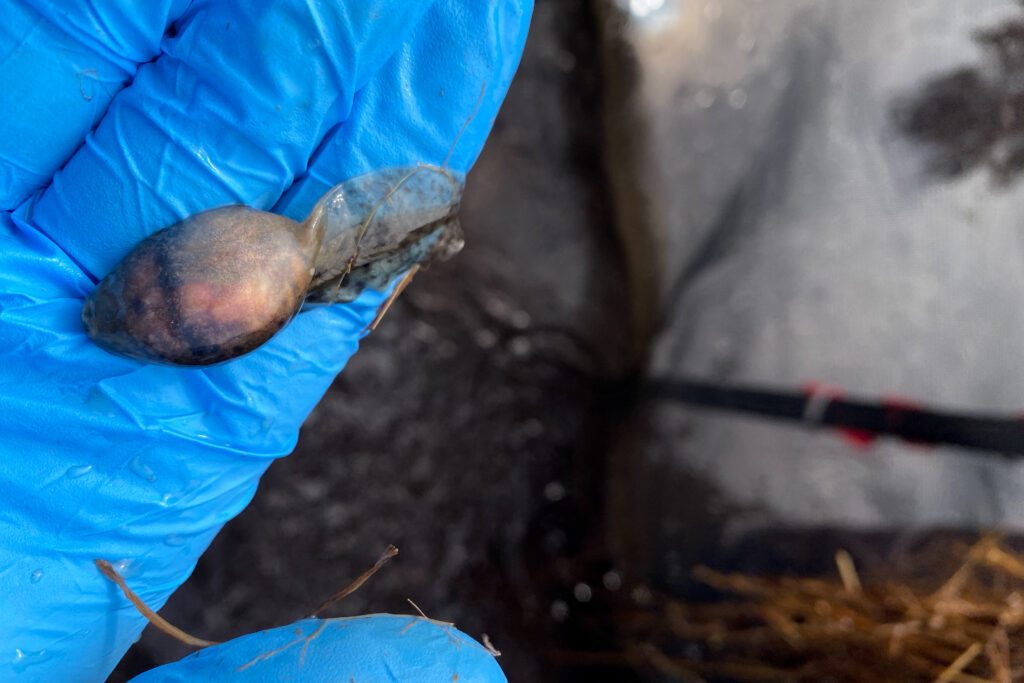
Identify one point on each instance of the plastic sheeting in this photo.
(828, 192)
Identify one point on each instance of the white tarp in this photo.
(802, 231)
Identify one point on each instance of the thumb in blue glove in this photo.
(372, 647)
(118, 119)
(378, 647)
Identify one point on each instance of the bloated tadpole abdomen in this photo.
(210, 288)
(220, 283)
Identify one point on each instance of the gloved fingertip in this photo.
(377, 647)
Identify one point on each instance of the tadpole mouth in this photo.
(103, 320)
(88, 313)
(101, 312)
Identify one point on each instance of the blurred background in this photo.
(782, 194)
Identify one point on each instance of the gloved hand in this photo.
(378, 647)
(118, 118)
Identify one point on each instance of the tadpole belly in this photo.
(210, 288)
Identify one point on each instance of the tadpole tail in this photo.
(377, 215)
(444, 242)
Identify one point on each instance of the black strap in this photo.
(1004, 435)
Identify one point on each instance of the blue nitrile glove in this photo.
(379, 647)
(118, 118)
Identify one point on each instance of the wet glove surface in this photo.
(119, 119)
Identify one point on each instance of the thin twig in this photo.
(399, 288)
(388, 553)
(417, 608)
(167, 627)
(486, 640)
(465, 124)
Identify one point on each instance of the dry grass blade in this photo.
(959, 664)
(960, 624)
(847, 572)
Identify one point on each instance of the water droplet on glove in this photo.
(141, 469)
(78, 471)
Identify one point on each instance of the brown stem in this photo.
(158, 621)
(388, 553)
(399, 288)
